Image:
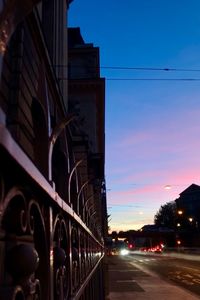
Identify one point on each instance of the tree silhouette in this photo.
(166, 215)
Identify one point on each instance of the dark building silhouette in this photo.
(87, 101)
(188, 216)
(52, 183)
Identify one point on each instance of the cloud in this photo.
(130, 224)
(161, 139)
(155, 152)
(161, 146)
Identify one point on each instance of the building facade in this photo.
(52, 183)
(87, 101)
(188, 216)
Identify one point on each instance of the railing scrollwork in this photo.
(25, 257)
(75, 259)
(60, 257)
(50, 219)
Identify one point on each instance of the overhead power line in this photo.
(132, 68)
(150, 69)
(133, 79)
(155, 79)
(136, 79)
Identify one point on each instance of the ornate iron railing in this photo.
(47, 251)
(51, 232)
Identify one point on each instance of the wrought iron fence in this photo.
(51, 227)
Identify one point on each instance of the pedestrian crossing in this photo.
(146, 259)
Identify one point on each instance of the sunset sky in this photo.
(152, 126)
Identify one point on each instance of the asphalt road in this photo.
(150, 277)
(183, 273)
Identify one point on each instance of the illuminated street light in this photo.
(190, 219)
(167, 187)
(178, 242)
(180, 212)
(178, 224)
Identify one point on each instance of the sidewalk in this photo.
(129, 282)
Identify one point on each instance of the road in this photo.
(150, 277)
(184, 273)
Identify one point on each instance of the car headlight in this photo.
(124, 252)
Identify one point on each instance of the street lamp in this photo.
(167, 187)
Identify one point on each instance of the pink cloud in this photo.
(154, 194)
(128, 224)
(141, 162)
(160, 136)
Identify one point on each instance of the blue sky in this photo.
(152, 127)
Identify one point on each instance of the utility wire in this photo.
(137, 69)
(132, 68)
(154, 79)
(133, 79)
(150, 69)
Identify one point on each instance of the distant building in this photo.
(87, 102)
(188, 215)
(86, 89)
(149, 228)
